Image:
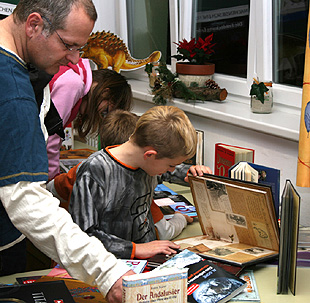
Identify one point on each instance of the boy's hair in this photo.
(167, 130)
(56, 11)
(117, 127)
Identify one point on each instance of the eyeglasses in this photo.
(68, 47)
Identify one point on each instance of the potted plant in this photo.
(193, 57)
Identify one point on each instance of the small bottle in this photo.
(263, 108)
(154, 75)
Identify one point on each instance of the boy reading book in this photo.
(116, 128)
(113, 191)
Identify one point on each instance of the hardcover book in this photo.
(198, 158)
(290, 206)
(237, 219)
(55, 291)
(261, 174)
(168, 285)
(206, 281)
(227, 155)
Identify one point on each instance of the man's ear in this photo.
(34, 24)
(149, 153)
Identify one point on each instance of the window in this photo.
(228, 21)
(7, 7)
(148, 24)
(254, 39)
(290, 28)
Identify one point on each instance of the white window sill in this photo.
(282, 122)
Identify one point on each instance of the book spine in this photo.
(224, 159)
(168, 289)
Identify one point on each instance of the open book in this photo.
(237, 219)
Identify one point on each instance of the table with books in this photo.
(265, 273)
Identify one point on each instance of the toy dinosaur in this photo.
(107, 49)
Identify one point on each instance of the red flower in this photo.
(195, 51)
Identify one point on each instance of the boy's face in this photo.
(156, 167)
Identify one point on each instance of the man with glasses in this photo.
(47, 34)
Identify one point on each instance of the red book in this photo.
(227, 155)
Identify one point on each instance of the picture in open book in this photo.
(237, 219)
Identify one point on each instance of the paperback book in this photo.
(52, 291)
(250, 293)
(170, 203)
(80, 291)
(168, 285)
(206, 281)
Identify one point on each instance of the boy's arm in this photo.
(121, 248)
(168, 230)
(179, 175)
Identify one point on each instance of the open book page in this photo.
(239, 214)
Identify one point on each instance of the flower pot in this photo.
(193, 73)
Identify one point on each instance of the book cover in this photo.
(136, 265)
(80, 291)
(170, 203)
(268, 176)
(227, 155)
(290, 208)
(237, 219)
(168, 285)
(52, 291)
(206, 281)
(250, 293)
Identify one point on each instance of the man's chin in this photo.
(54, 69)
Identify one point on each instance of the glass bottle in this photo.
(263, 108)
(154, 75)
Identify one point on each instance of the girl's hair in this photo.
(56, 11)
(167, 130)
(113, 87)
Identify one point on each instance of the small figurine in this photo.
(106, 49)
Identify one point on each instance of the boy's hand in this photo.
(188, 218)
(198, 170)
(150, 249)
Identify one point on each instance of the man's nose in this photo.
(73, 57)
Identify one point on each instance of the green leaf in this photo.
(259, 90)
(148, 68)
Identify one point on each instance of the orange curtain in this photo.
(303, 165)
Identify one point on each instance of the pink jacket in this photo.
(67, 87)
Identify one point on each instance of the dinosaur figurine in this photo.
(107, 49)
